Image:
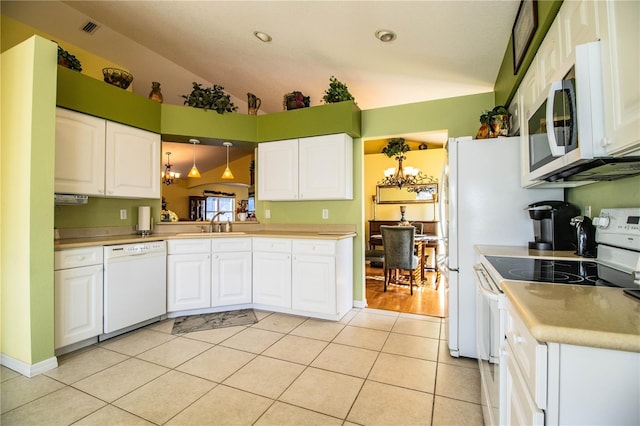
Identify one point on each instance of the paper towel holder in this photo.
(145, 221)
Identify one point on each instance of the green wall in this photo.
(26, 219)
(618, 193)
(507, 83)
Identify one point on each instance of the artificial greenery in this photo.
(210, 98)
(396, 147)
(486, 116)
(337, 92)
(68, 60)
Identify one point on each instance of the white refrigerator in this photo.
(482, 203)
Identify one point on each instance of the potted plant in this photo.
(68, 60)
(494, 123)
(396, 147)
(295, 100)
(337, 92)
(210, 98)
(499, 123)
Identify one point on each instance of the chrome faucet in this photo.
(212, 223)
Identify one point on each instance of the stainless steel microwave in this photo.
(567, 126)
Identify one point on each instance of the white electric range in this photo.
(617, 264)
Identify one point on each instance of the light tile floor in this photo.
(373, 367)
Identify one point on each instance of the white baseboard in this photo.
(359, 303)
(28, 370)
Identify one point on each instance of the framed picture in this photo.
(523, 30)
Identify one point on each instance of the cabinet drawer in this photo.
(74, 258)
(195, 245)
(274, 245)
(529, 355)
(230, 244)
(317, 247)
(521, 408)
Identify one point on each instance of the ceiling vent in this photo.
(90, 27)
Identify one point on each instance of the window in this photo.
(221, 204)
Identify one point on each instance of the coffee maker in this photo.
(552, 227)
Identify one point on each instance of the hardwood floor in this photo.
(426, 300)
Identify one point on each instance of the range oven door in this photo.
(489, 337)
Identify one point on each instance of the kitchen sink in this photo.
(209, 234)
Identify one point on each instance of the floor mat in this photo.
(202, 322)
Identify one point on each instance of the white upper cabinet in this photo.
(314, 168)
(325, 167)
(80, 141)
(101, 158)
(132, 162)
(620, 38)
(278, 170)
(578, 20)
(549, 57)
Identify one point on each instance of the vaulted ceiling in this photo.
(443, 48)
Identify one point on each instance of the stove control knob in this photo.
(601, 221)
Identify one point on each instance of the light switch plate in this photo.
(267, 214)
(123, 214)
(325, 213)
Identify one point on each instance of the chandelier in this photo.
(402, 176)
(168, 175)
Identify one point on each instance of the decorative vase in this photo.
(156, 94)
(254, 103)
(242, 217)
(499, 125)
(295, 100)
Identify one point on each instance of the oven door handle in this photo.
(485, 283)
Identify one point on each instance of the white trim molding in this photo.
(28, 370)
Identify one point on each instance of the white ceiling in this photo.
(443, 48)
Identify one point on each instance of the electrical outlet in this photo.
(123, 214)
(587, 211)
(267, 214)
(325, 213)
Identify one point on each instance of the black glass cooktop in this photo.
(574, 272)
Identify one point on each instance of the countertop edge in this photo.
(64, 244)
(550, 333)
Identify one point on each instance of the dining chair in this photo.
(419, 227)
(398, 242)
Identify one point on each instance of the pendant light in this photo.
(227, 172)
(194, 173)
(169, 176)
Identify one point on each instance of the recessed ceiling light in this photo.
(385, 36)
(262, 36)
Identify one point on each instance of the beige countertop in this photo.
(601, 317)
(134, 238)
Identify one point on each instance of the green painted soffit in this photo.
(85, 94)
(341, 117)
(507, 82)
(458, 116)
(183, 121)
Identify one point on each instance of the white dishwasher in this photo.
(135, 285)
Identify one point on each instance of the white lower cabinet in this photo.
(188, 274)
(231, 271)
(272, 272)
(321, 277)
(557, 384)
(78, 295)
(298, 276)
